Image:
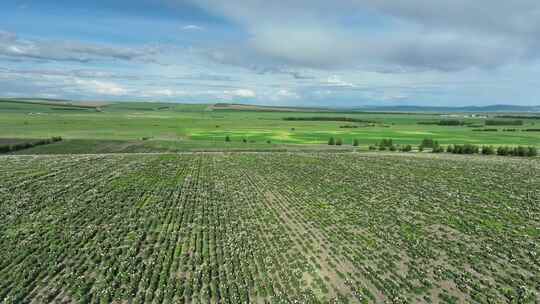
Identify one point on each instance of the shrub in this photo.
(519, 151)
(428, 143)
(372, 147)
(450, 149)
(488, 150)
(433, 144)
(466, 149)
(451, 122)
(227, 138)
(331, 141)
(386, 142)
(339, 142)
(503, 151)
(244, 140)
(268, 141)
(5, 149)
(356, 142)
(437, 149)
(428, 122)
(500, 122)
(406, 148)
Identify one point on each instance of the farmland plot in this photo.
(269, 228)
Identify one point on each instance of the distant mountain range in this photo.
(392, 109)
(500, 108)
(476, 109)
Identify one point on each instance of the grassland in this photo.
(269, 228)
(205, 127)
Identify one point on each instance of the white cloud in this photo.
(47, 50)
(99, 87)
(335, 81)
(411, 34)
(192, 27)
(283, 95)
(243, 93)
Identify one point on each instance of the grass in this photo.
(196, 123)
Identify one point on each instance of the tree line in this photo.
(327, 118)
(29, 144)
(429, 143)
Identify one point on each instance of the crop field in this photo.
(190, 127)
(269, 228)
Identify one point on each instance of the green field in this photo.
(269, 228)
(191, 127)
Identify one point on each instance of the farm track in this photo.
(269, 228)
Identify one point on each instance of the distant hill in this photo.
(391, 109)
(262, 108)
(248, 107)
(476, 109)
(56, 102)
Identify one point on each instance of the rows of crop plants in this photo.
(269, 228)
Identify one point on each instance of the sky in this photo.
(341, 53)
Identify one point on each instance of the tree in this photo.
(435, 147)
(488, 150)
(466, 149)
(5, 149)
(503, 151)
(520, 151)
(406, 148)
(227, 138)
(331, 141)
(532, 151)
(339, 142)
(356, 142)
(244, 140)
(427, 143)
(386, 143)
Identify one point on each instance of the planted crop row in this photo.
(269, 228)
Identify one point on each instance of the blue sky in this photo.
(303, 52)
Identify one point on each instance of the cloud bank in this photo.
(314, 53)
(413, 34)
